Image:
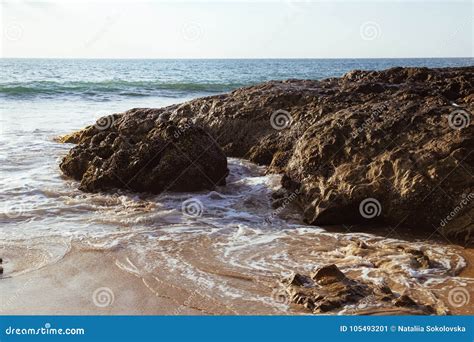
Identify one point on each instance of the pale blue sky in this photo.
(224, 29)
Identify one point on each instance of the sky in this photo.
(238, 29)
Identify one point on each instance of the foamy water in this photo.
(218, 248)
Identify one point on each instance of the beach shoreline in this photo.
(91, 283)
(67, 287)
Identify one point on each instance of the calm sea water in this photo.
(42, 214)
(106, 80)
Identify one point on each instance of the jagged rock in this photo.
(328, 275)
(399, 138)
(382, 135)
(299, 280)
(330, 290)
(139, 153)
(404, 300)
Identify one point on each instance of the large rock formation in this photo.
(394, 145)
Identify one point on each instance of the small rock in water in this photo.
(328, 274)
(330, 290)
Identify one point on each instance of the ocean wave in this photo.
(110, 87)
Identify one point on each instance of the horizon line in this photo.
(237, 58)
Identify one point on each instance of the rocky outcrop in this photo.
(139, 153)
(328, 290)
(392, 146)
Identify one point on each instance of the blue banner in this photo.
(237, 328)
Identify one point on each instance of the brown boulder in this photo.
(138, 152)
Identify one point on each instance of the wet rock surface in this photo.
(328, 290)
(139, 153)
(393, 146)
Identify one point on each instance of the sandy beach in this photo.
(88, 282)
(67, 288)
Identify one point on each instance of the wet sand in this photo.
(83, 283)
(92, 283)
